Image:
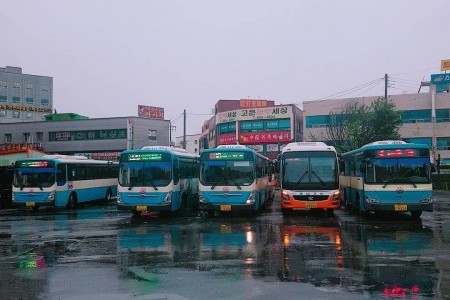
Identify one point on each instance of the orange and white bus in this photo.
(309, 177)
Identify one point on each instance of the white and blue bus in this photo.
(233, 178)
(62, 181)
(158, 179)
(390, 176)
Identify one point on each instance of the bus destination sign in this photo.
(226, 156)
(388, 153)
(145, 157)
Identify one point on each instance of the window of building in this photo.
(443, 143)
(225, 128)
(15, 99)
(29, 86)
(29, 101)
(195, 142)
(416, 116)
(8, 138)
(29, 115)
(39, 136)
(3, 98)
(16, 114)
(317, 121)
(422, 140)
(16, 85)
(442, 115)
(44, 102)
(2, 83)
(2, 113)
(26, 137)
(44, 87)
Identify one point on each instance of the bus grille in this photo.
(310, 197)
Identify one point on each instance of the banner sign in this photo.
(227, 139)
(151, 112)
(265, 137)
(445, 65)
(276, 112)
(440, 78)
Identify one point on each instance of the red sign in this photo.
(151, 112)
(250, 103)
(227, 139)
(265, 137)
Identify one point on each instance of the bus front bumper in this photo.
(144, 207)
(398, 207)
(226, 207)
(34, 205)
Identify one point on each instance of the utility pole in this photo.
(385, 86)
(184, 129)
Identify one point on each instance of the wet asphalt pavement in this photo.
(98, 252)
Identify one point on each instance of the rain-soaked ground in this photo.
(97, 252)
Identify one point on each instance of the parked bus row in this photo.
(385, 176)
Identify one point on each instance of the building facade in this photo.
(102, 138)
(24, 97)
(259, 124)
(192, 143)
(425, 117)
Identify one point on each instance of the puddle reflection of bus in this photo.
(144, 246)
(396, 260)
(311, 252)
(230, 249)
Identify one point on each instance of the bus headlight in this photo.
(427, 200)
(371, 200)
(336, 197)
(201, 199)
(119, 199)
(51, 197)
(168, 198)
(251, 198)
(285, 197)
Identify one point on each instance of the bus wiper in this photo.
(236, 184)
(303, 176)
(153, 185)
(130, 187)
(22, 186)
(318, 178)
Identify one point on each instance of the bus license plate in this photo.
(30, 204)
(311, 205)
(225, 207)
(141, 208)
(400, 207)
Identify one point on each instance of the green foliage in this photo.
(354, 125)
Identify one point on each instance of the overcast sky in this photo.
(107, 57)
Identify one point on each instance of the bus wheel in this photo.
(108, 195)
(416, 214)
(72, 201)
(330, 212)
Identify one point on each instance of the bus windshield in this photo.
(39, 174)
(307, 170)
(145, 169)
(223, 172)
(398, 170)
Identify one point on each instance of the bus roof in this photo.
(388, 144)
(172, 150)
(68, 159)
(307, 146)
(233, 148)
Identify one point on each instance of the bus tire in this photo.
(416, 214)
(285, 211)
(108, 195)
(72, 201)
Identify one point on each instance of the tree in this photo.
(353, 125)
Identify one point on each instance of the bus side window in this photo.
(61, 174)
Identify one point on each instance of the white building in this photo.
(192, 142)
